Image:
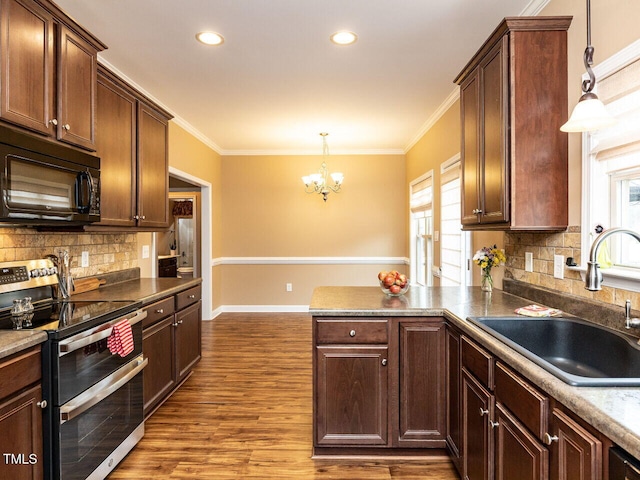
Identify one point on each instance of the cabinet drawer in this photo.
(19, 371)
(188, 297)
(159, 310)
(523, 400)
(478, 361)
(351, 331)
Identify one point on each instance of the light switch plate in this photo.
(145, 251)
(528, 262)
(558, 266)
(85, 260)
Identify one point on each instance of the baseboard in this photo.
(259, 309)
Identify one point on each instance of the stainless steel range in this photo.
(94, 412)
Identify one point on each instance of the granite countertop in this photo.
(147, 290)
(614, 411)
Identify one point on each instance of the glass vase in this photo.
(487, 281)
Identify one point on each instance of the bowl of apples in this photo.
(393, 283)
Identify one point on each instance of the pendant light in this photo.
(590, 113)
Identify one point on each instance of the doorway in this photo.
(184, 232)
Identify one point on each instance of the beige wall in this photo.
(267, 214)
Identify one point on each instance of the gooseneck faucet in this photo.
(593, 279)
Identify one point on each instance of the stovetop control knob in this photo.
(34, 273)
(43, 272)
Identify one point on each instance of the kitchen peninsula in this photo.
(373, 338)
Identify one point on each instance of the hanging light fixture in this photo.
(589, 114)
(319, 182)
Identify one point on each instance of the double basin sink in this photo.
(578, 352)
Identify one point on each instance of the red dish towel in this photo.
(121, 339)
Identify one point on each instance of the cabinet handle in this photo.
(483, 412)
(54, 121)
(42, 404)
(549, 439)
(352, 333)
(160, 310)
(494, 424)
(384, 362)
(192, 297)
(67, 127)
(476, 211)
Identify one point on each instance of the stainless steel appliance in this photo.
(623, 466)
(44, 183)
(94, 412)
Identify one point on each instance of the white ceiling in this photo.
(277, 81)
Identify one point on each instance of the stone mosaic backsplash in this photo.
(108, 252)
(544, 246)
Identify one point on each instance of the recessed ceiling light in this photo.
(210, 38)
(344, 38)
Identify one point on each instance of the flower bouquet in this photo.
(487, 258)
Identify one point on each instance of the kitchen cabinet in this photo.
(21, 407)
(513, 99)
(378, 383)
(172, 341)
(511, 429)
(49, 82)
(132, 141)
(453, 389)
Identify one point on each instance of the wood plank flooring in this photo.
(246, 411)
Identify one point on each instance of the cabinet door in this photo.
(159, 374)
(494, 186)
(575, 454)
(470, 155)
(77, 72)
(27, 70)
(477, 437)
(422, 384)
(518, 453)
(351, 395)
(116, 147)
(188, 339)
(22, 447)
(453, 394)
(153, 168)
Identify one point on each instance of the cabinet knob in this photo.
(384, 362)
(193, 296)
(494, 424)
(476, 211)
(53, 122)
(160, 310)
(483, 412)
(136, 217)
(179, 322)
(352, 333)
(67, 127)
(143, 217)
(549, 439)
(42, 404)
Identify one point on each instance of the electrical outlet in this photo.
(528, 262)
(289, 287)
(145, 251)
(85, 260)
(558, 266)
(436, 236)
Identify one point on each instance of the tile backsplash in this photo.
(544, 246)
(108, 252)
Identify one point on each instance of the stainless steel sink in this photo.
(577, 352)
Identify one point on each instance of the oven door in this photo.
(84, 359)
(100, 426)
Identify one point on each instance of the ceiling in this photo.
(277, 81)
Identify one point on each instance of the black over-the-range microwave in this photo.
(43, 183)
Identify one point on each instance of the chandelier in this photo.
(319, 182)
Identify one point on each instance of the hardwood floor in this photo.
(245, 413)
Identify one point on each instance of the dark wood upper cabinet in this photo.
(48, 83)
(513, 100)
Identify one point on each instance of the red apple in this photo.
(389, 280)
(382, 274)
(395, 289)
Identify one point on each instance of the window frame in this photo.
(616, 277)
(427, 237)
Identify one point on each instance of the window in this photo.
(421, 229)
(453, 241)
(611, 166)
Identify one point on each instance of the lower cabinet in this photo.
(21, 407)
(379, 382)
(172, 343)
(512, 430)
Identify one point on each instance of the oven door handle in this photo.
(80, 341)
(101, 390)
